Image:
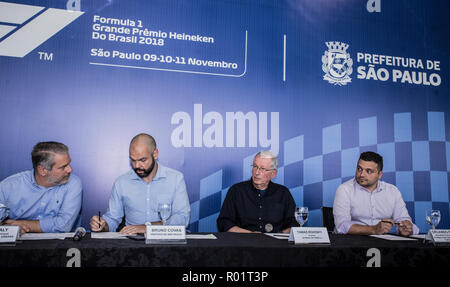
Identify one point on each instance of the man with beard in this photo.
(365, 205)
(46, 198)
(258, 205)
(137, 194)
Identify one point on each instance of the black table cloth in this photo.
(229, 250)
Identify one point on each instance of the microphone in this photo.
(80, 232)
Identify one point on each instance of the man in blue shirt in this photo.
(137, 193)
(46, 198)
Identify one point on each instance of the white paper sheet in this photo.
(45, 236)
(393, 237)
(200, 236)
(278, 235)
(418, 236)
(108, 235)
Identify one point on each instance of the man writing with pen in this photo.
(365, 205)
(136, 194)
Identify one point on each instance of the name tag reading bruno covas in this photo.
(165, 234)
(309, 235)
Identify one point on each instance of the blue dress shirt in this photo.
(138, 200)
(56, 208)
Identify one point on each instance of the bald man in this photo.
(137, 194)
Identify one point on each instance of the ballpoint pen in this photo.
(395, 223)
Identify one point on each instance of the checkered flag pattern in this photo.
(416, 159)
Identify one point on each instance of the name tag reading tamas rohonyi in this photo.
(309, 235)
(165, 234)
(439, 236)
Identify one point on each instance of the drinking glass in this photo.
(301, 214)
(433, 216)
(4, 212)
(164, 211)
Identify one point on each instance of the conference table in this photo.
(230, 250)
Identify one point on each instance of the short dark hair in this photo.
(372, 156)
(44, 152)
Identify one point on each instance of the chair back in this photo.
(327, 217)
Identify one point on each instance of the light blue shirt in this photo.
(354, 204)
(138, 200)
(56, 208)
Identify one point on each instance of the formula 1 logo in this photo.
(25, 27)
(337, 64)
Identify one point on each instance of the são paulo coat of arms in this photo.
(337, 64)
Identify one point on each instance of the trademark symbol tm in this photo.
(44, 56)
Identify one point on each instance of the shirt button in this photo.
(260, 206)
(42, 203)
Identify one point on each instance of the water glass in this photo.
(301, 214)
(164, 211)
(433, 216)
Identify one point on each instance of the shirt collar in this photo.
(161, 172)
(33, 179)
(379, 187)
(269, 186)
(36, 185)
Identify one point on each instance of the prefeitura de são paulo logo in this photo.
(337, 64)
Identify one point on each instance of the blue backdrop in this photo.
(317, 82)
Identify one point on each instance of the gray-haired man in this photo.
(46, 198)
(258, 205)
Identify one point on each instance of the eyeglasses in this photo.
(261, 169)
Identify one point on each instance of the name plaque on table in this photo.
(309, 235)
(165, 234)
(439, 236)
(9, 234)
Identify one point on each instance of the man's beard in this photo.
(146, 172)
(58, 181)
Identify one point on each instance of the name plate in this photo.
(165, 234)
(440, 236)
(309, 235)
(9, 234)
